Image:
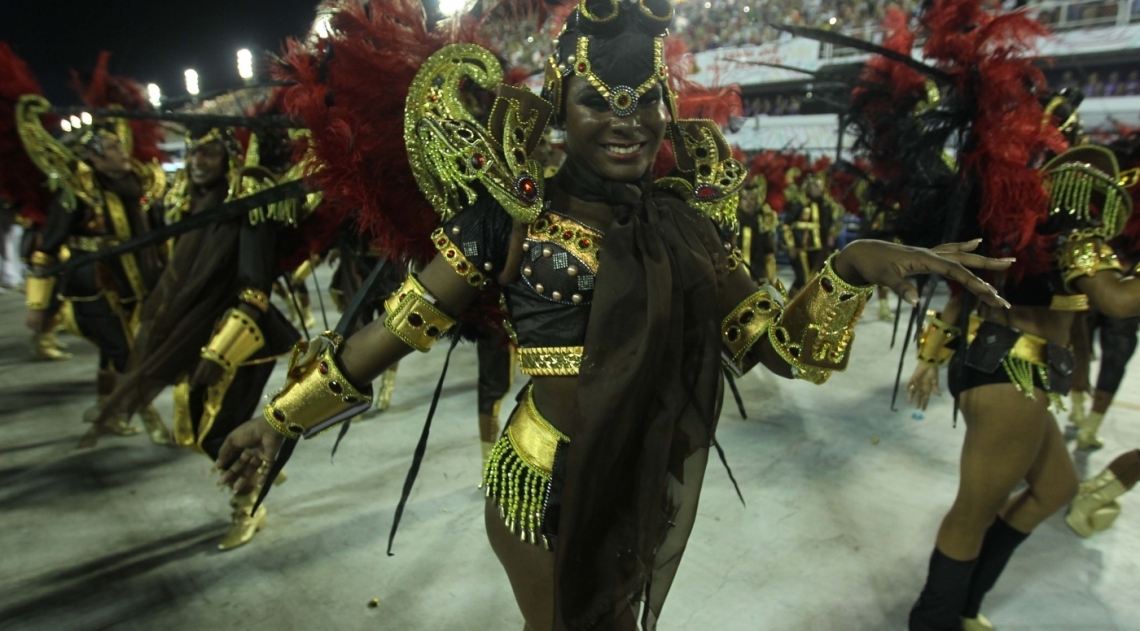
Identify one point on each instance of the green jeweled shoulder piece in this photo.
(449, 150)
(706, 175)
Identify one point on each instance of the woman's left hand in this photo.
(869, 262)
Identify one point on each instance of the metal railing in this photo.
(1059, 15)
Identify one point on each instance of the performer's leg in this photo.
(1082, 353)
(495, 376)
(1005, 433)
(1117, 345)
(238, 406)
(1095, 508)
(99, 323)
(799, 259)
(1052, 482)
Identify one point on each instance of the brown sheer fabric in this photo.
(199, 284)
(649, 392)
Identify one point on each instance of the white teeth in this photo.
(624, 150)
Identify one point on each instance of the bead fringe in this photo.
(520, 491)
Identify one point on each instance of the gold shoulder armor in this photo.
(707, 176)
(449, 150)
(177, 200)
(66, 173)
(152, 178)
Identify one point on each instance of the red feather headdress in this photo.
(20, 181)
(105, 90)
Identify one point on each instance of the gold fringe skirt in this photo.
(519, 471)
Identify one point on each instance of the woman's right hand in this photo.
(247, 454)
(922, 383)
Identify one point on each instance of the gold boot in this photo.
(1086, 434)
(244, 526)
(155, 428)
(1095, 507)
(117, 424)
(387, 387)
(981, 623)
(307, 311)
(885, 308)
(1077, 415)
(46, 348)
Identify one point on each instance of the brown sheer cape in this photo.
(649, 392)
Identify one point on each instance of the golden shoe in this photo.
(244, 526)
(1095, 507)
(981, 623)
(1077, 414)
(387, 387)
(155, 428)
(885, 310)
(46, 348)
(1086, 431)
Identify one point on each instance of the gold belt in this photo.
(1029, 347)
(519, 469)
(551, 361)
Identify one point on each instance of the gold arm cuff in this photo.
(41, 259)
(255, 297)
(458, 262)
(551, 361)
(316, 394)
(749, 321)
(39, 292)
(932, 343)
(236, 341)
(412, 318)
(1086, 257)
(815, 331)
(1074, 302)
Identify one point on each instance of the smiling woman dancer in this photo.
(623, 297)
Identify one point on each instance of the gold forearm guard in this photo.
(1086, 257)
(316, 395)
(932, 343)
(39, 292)
(747, 323)
(236, 341)
(815, 332)
(413, 318)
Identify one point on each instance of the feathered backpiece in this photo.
(21, 182)
(350, 91)
(106, 91)
(773, 166)
(979, 93)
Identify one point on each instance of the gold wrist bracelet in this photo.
(748, 322)
(236, 341)
(255, 297)
(41, 259)
(816, 329)
(316, 395)
(39, 292)
(412, 318)
(932, 343)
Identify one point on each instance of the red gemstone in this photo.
(705, 192)
(461, 267)
(584, 243)
(450, 254)
(478, 161)
(528, 188)
(568, 235)
(581, 67)
(323, 368)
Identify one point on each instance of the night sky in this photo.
(151, 40)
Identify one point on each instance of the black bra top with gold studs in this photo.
(549, 299)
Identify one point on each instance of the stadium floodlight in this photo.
(708, 5)
(65, 124)
(192, 82)
(85, 117)
(245, 64)
(453, 7)
(832, 21)
(322, 26)
(154, 94)
(75, 122)
(747, 9)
